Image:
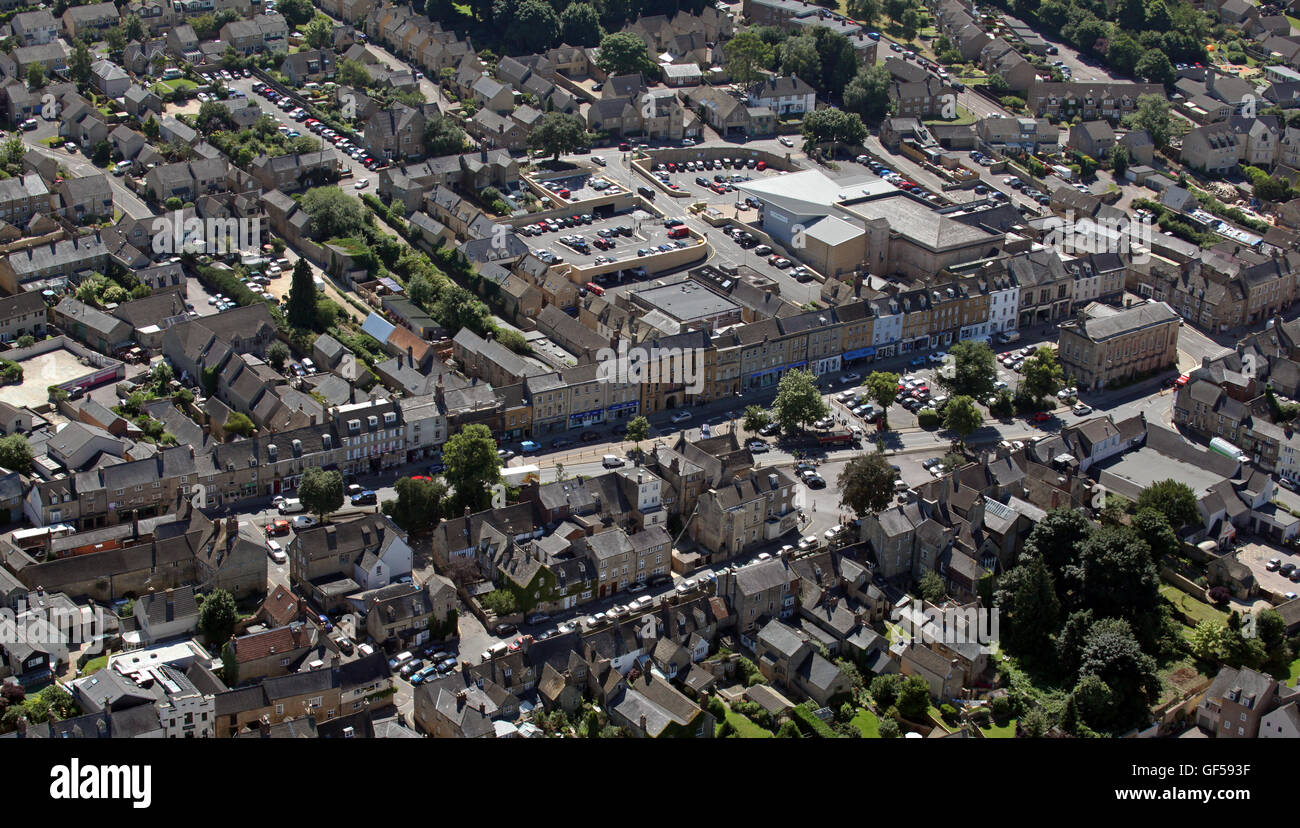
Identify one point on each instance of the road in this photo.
(125, 200)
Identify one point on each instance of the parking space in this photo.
(1284, 577)
(581, 186)
(587, 240)
(711, 181)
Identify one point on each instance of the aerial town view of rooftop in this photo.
(536, 369)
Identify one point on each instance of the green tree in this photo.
(470, 456)
(1116, 574)
(1119, 160)
(756, 418)
(798, 401)
(559, 133)
(1057, 539)
(500, 602)
(623, 53)
(115, 38)
(914, 698)
(1154, 67)
(638, 429)
(1027, 597)
(277, 355)
(16, 454)
(788, 730)
(35, 76)
(1173, 499)
(150, 128)
(302, 297)
(320, 491)
(866, 12)
(296, 12)
(884, 690)
(319, 33)
(834, 126)
(1153, 115)
(867, 484)
(418, 506)
(1153, 528)
(882, 388)
(580, 25)
(747, 56)
(238, 423)
(1043, 375)
(217, 616)
(975, 370)
(799, 56)
(535, 27)
(1112, 653)
(868, 93)
(80, 63)
(1206, 639)
(962, 417)
(229, 664)
(333, 213)
(932, 587)
(133, 27)
(889, 729)
(354, 73)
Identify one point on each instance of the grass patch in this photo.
(164, 87)
(964, 118)
(867, 723)
(745, 726)
(937, 717)
(994, 731)
(1293, 673)
(95, 665)
(1190, 606)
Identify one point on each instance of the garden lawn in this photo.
(746, 727)
(1193, 608)
(867, 723)
(172, 85)
(95, 665)
(1293, 675)
(1006, 731)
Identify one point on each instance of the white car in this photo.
(688, 142)
(598, 160)
(851, 377)
(362, 184)
(786, 141)
(276, 552)
(681, 416)
(1081, 409)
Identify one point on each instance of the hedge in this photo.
(809, 724)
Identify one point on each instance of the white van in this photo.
(1009, 336)
(288, 505)
(611, 461)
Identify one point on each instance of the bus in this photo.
(835, 438)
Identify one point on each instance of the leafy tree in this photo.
(788, 730)
(1153, 115)
(319, 33)
(1153, 528)
(1117, 576)
(320, 491)
(866, 12)
(470, 456)
(1154, 67)
(932, 588)
(867, 483)
(133, 28)
(1027, 596)
(80, 63)
(1206, 639)
(441, 11)
(229, 664)
(535, 27)
(756, 418)
(217, 616)
(914, 698)
(1056, 539)
(296, 12)
(867, 94)
(623, 53)
(500, 602)
(418, 506)
(333, 213)
(798, 401)
(354, 73)
(1043, 376)
(1119, 160)
(747, 56)
(997, 84)
(302, 296)
(961, 416)
(638, 429)
(889, 729)
(457, 308)
(1123, 53)
(834, 126)
(1111, 652)
(799, 56)
(882, 388)
(580, 25)
(1173, 499)
(150, 128)
(277, 354)
(975, 370)
(238, 423)
(884, 690)
(16, 454)
(35, 76)
(101, 153)
(559, 133)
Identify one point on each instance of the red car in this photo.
(277, 527)
(762, 165)
(1042, 417)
